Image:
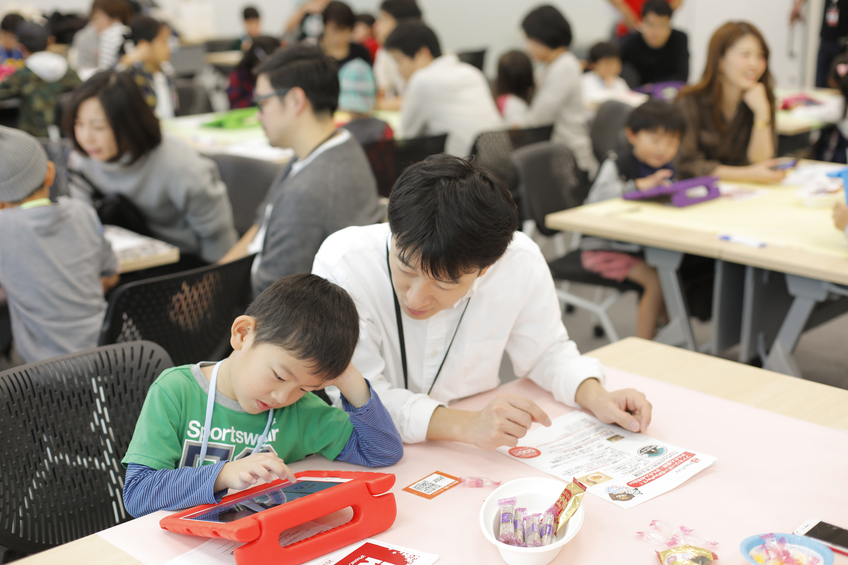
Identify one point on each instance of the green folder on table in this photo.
(241, 118)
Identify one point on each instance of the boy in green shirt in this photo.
(298, 336)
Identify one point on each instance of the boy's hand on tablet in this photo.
(660, 178)
(504, 421)
(626, 407)
(248, 471)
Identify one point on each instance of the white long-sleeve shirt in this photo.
(449, 96)
(512, 308)
(559, 101)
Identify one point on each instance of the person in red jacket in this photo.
(631, 14)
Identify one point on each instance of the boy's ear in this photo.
(243, 326)
(631, 137)
(50, 175)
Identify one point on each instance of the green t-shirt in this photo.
(168, 434)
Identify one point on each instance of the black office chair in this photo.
(192, 98)
(549, 183)
(474, 58)
(67, 423)
(218, 45)
(492, 150)
(607, 131)
(390, 157)
(188, 313)
(248, 181)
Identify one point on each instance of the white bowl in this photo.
(537, 495)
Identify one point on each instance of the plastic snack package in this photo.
(532, 538)
(518, 524)
(666, 534)
(479, 482)
(547, 526)
(568, 503)
(776, 551)
(507, 529)
(686, 555)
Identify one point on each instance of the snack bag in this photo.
(532, 538)
(567, 504)
(507, 529)
(547, 526)
(518, 524)
(686, 555)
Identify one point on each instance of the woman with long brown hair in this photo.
(730, 113)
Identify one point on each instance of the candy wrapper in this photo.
(507, 529)
(518, 523)
(532, 537)
(686, 555)
(776, 551)
(666, 534)
(479, 482)
(547, 526)
(567, 504)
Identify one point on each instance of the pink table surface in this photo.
(772, 474)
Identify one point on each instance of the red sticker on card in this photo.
(524, 452)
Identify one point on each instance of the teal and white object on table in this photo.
(841, 174)
(816, 548)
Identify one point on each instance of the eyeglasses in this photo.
(257, 100)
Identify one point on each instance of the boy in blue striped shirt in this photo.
(209, 427)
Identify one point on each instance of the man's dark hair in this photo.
(132, 121)
(120, 10)
(604, 50)
(401, 9)
(308, 68)
(311, 318)
(410, 36)
(548, 26)
(366, 19)
(451, 217)
(144, 28)
(339, 14)
(250, 13)
(659, 7)
(11, 22)
(655, 115)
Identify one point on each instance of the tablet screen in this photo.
(263, 500)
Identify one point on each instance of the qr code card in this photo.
(432, 485)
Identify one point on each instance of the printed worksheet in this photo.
(623, 467)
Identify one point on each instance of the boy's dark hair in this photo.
(250, 13)
(604, 50)
(656, 115)
(144, 28)
(116, 9)
(339, 14)
(308, 68)
(11, 22)
(133, 123)
(260, 48)
(548, 26)
(515, 75)
(659, 7)
(451, 216)
(410, 36)
(401, 9)
(366, 19)
(312, 319)
(33, 37)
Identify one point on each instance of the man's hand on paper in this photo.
(247, 471)
(626, 407)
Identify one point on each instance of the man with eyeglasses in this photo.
(657, 53)
(326, 187)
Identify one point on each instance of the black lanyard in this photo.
(400, 331)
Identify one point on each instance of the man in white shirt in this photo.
(443, 94)
(442, 291)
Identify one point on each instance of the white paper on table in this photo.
(740, 193)
(624, 467)
(807, 173)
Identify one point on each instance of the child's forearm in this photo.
(375, 441)
(147, 490)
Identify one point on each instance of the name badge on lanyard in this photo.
(832, 15)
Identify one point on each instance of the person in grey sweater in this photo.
(119, 148)
(55, 262)
(328, 186)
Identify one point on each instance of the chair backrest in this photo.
(607, 131)
(475, 58)
(67, 423)
(192, 98)
(189, 60)
(389, 157)
(492, 150)
(188, 313)
(248, 181)
(548, 181)
(217, 45)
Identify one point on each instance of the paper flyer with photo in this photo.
(623, 467)
(373, 552)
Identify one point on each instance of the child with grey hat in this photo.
(55, 263)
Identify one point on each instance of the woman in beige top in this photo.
(730, 113)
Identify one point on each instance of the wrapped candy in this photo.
(479, 482)
(776, 551)
(567, 504)
(518, 523)
(686, 555)
(666, 534)
(546, 529)
(532, 538)
(507, 528)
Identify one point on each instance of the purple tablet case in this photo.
(677, 193)
(662, 90)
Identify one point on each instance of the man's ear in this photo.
(483, 272)
(241, 332)
(298, 96)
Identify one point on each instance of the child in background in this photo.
(11, 58)
(514, 86)
(54, 261)
(252, 28)
(39, 83)
(336, 40)
(831, 109)
(390, 82)
(149, 65)
(242, 80)
(363, 33)
(110, 19)
(357, 95)
(603, 80)
(297, 337)
(654, 129)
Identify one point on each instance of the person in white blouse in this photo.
(443, 291)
